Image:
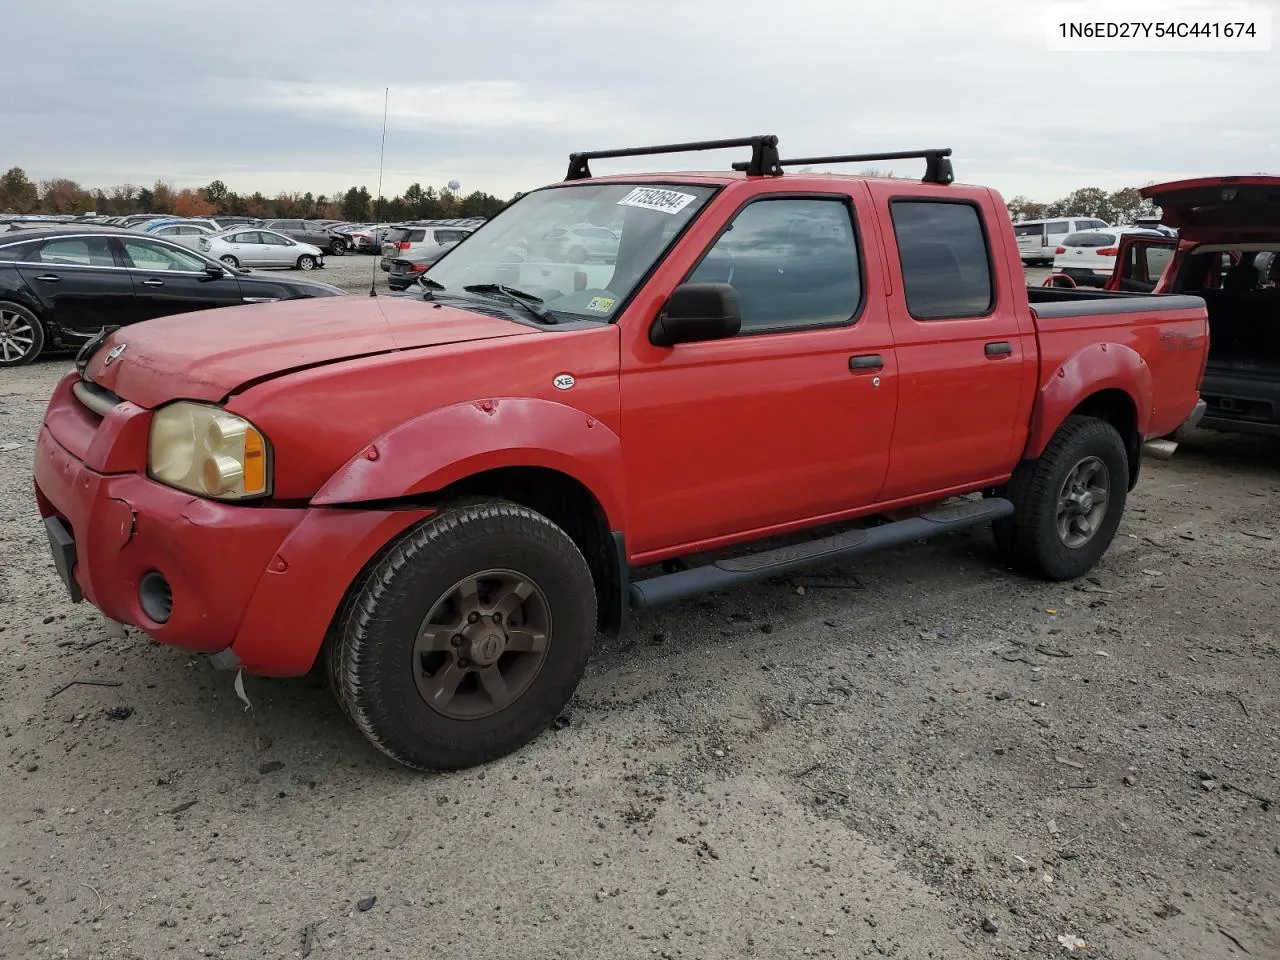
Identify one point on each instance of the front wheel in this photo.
(337, 247)
(21, 335)
(1068, 502)
(306, 262)
(467, 638)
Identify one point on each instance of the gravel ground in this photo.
(919, 756)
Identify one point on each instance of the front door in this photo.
(788, 422)
(80, 285)
(168, 279)
(967, 352)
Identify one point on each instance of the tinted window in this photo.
(77, 251)
(449, 236)
(946, 268)
(1028, 230)
(793, 263)
(17, 251)
(155, 256)
(1089, 240)
(1157, 259)
(1060, 226)
(1090, 224)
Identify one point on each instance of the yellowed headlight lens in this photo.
(207, 451)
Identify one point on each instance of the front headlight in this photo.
(206, 451)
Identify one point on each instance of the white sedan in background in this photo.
(255, 247)
(1088, 258)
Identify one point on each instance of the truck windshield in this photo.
(581, 249)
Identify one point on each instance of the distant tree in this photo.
(163, 195)
(123, 200)
(146, 201)
(1021, 208)
(190, 203)
(355, 204)
(256, 205)
(308, 205)
(217, 194)
(64, 196)
(1127, 204)
(414, 201)
(17, 193)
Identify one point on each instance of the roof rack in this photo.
(937, 163)
(764, 155)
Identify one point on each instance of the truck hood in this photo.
(207, 355)
(1220, 209)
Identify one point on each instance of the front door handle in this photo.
(49, 278)
(1001, 349)
(153, 283)
(867, 361)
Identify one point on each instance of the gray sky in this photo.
(278, 95)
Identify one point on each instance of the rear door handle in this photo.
(153, 283)
(867, 361)
(49, 278)
(1001, 349)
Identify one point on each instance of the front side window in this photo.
(273, 239)
(77, 252)
(155, 256)
(793, 263)
(511, 249)
(946, 266)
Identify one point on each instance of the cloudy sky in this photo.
(278, 95)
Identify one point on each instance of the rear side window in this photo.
(77, 252)
(1028, 230)
(793, 263)
(1089, 240)
(946, 266)
(14, 252)
(1060, 226)
(449, 236)
(416, 236)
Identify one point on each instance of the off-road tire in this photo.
(1029, 540)
(370, 648)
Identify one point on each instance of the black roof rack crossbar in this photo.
(764, 155)
(937, 163)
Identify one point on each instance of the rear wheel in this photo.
(467, 638)
(306, 262)
(230, 261)
(1068, 502)
(21, 335)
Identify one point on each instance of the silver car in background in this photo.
(256, 247)
(187, 234)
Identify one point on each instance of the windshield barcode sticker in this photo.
(651, 198)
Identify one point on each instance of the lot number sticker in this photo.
(601, 304)
(652, 198)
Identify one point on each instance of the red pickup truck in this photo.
(448, 495)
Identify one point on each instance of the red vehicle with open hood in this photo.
(1227, 252)
(448, 496)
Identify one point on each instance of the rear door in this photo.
(80, 284)
(168, 279)
(965, 344)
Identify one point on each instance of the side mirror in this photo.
(214, 272)
(696, 312)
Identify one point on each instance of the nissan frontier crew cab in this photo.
(447, 495)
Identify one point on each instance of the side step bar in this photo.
(733, 571)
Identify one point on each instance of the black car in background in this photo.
(60, 287)
(315, 232)
(406, 270)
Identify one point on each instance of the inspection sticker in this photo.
(652, 198)
(601, 304)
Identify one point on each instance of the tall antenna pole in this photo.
(382, 156)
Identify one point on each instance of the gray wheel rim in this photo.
(1083, 501)
(17, 335)
(482, 644)
(306, 263)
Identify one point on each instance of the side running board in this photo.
(768, 563)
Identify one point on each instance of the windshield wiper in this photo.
(527, 300)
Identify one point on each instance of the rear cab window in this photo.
(945, 259)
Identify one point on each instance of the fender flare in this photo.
(1091, 370)
(443, 446)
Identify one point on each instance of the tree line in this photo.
(20, 194)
